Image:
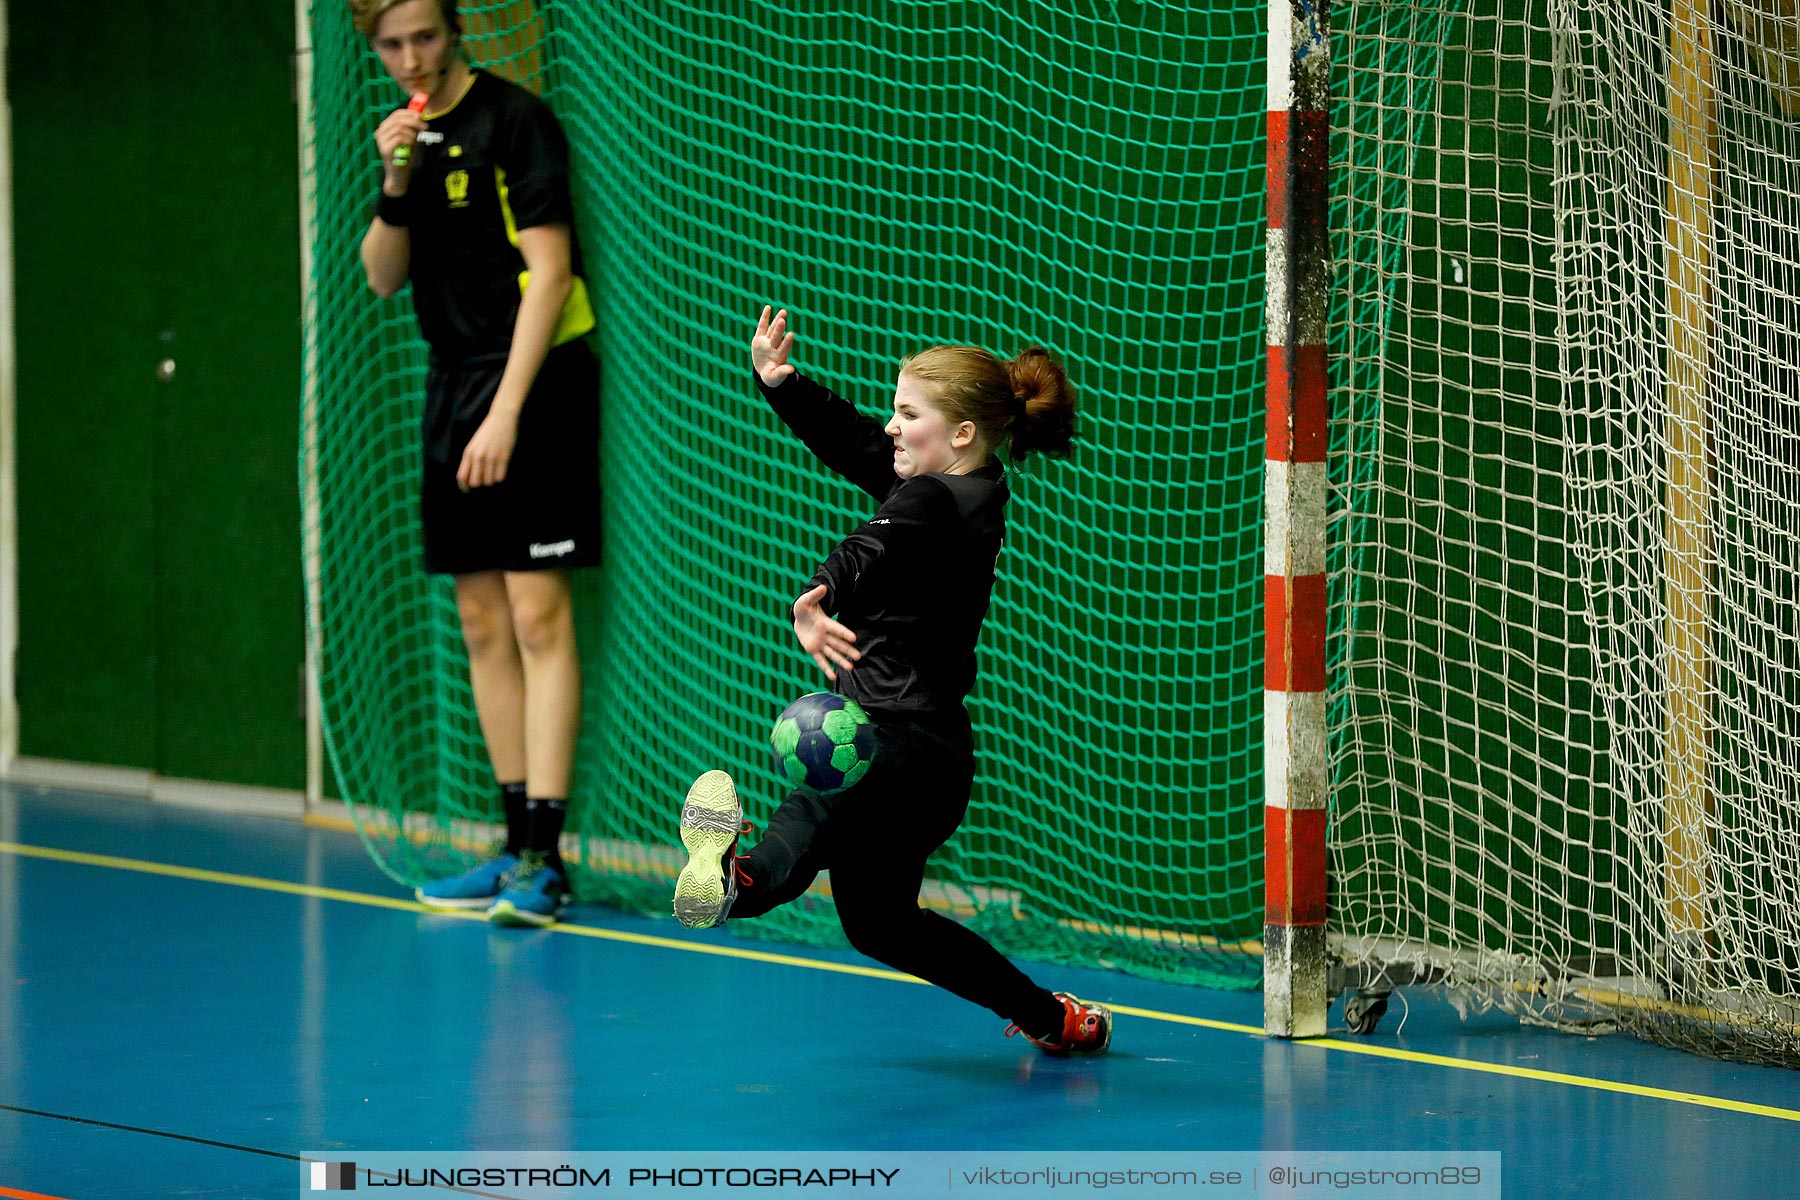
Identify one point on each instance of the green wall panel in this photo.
(160, 601)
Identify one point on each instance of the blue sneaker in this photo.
(711, 822)
(534, 893)
(474, 888)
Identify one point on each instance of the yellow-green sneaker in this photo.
(711, 821)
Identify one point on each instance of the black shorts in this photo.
(546, 514)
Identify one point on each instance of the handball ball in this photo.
(823, 742)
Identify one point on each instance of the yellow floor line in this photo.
(393, 902)
(694, 947)
(1600, 1085)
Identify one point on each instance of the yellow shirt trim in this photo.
(577, 316)
(432, 116)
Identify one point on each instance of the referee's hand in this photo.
(770, 347)
(485, 459)
(401, 128)
(822, 637)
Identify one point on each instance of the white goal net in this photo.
(1565, 516)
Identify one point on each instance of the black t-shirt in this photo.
(493, 163)
(914, 581)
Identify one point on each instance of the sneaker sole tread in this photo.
(709, 825)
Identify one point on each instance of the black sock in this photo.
(543, 826)
(512, 795)
(1046, 1025)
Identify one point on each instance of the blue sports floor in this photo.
(188, 1001)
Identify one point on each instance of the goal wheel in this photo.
(1362, 1013)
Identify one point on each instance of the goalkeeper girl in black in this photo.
(909, 590)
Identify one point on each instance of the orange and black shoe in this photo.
(1086, 1029)
(711, 822)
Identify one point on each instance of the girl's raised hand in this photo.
(770, 347)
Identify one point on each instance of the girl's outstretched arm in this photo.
(848, 441)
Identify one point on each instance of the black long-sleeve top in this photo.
(914, 581)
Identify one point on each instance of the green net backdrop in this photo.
(1087, 176)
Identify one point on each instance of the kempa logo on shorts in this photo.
(552, 549)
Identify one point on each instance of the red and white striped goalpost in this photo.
(1299, 297)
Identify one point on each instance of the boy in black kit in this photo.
(474, 212)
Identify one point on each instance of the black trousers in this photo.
(874, 839)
